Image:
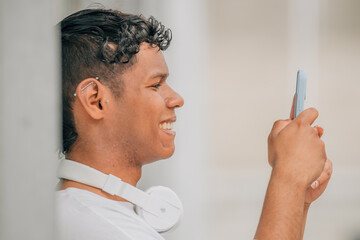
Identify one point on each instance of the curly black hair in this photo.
(101, 43)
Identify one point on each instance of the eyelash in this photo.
(156, 85)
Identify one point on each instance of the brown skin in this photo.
(298, 158)
(121, 134)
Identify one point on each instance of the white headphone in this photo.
(159, 206)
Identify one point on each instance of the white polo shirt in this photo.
(81, 214)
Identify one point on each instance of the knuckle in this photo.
(276, 126)
(269, 139)
(330, 164)
(276, 123)
(330, 168)
(322, 143)
(287, 121)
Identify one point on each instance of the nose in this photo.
(174, 100)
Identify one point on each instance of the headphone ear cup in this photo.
(171, 216)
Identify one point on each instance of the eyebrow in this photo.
(159, 75)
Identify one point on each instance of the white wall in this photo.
(234, 62)
(256, 47)
(29, 109)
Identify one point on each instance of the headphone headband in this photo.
(163, 209)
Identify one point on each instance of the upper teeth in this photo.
(166, 125)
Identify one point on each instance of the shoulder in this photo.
(84, 215)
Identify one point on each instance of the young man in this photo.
(118, 112)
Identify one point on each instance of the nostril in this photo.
(175, 101)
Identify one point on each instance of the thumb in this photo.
(307, 116)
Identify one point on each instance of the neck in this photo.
(105, 163)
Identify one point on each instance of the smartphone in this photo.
(300, 94)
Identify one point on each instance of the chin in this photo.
(163, 154)
(168, 153)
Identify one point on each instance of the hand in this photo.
(295, 148)
(318, 187)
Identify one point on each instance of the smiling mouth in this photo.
(167, 127)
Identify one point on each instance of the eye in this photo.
(157, 85)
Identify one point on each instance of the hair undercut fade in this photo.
(101, 43)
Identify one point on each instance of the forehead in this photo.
(149, 62)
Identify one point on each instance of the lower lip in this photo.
(170, 132)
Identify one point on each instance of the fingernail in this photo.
(314, 184)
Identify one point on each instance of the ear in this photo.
(90, 93)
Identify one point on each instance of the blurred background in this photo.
(235, 63)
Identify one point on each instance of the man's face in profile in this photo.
(143, 116)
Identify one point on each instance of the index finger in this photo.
(308, 116)
(292, 109)
(278, 126)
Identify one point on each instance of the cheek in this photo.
(153, 107)
(149, 113)
(143, 114)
